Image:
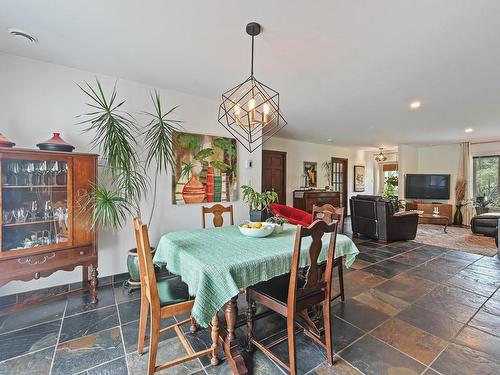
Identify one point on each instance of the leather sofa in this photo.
(486, 224)
(374, 217)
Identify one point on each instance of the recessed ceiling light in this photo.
(21, 34)
(469, 130)
(330, 140)
(416, 104)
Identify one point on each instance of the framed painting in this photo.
(311, 173)
(359, 178)
(205, 169)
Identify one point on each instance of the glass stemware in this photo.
(30, 170)
(14, 172)
(20, 215)
(42, 171)
(55, 169)
(47, 210)
(33, 209)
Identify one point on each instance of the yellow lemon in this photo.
(257, 225)
(245, 226)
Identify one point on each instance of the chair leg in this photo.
(194, 326)
(328, 331)
(341, 278)
(154, 340)
(290, 323)
(143, 320)
(250, 315)
(215, 340)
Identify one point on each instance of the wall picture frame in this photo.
(311, 173)
(206, 169)
(359, 178)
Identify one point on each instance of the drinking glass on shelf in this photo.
(47, 210)
(62, 177)
(20, 215)
(55, 169)
(42, 172)
(14, 172)
(30, 171)
(33, 210)
(6, 216)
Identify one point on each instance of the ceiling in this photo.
(345, 70)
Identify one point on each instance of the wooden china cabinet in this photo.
(43, 226)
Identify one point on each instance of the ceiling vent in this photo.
(21, 34)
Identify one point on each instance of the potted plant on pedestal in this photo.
(258, 202)
(123, 180)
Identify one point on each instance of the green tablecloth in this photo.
(216, 263)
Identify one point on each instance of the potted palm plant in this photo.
(258, 203)
(123, 180)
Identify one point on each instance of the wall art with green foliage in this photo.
(205, 169)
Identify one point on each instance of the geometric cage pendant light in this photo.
(250, 111)
(380, 157)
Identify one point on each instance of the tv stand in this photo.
(445, 209)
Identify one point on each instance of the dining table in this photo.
(217, 263)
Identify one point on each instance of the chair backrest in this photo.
(327, 212)
(146, 267)
(217, 210)
(318, 276)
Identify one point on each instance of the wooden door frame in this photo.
(345, 182)
(281, 153)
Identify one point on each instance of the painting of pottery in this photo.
(205, 169)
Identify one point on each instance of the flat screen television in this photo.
(427, 186)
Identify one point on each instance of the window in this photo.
(486, 178)
(389, 178)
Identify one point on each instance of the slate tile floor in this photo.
(410, 309)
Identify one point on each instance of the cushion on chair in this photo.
(172, 290)
(293, 215)
(276, 288)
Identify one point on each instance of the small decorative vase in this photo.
(194, 191)
(457, 219)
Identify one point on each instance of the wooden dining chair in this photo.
(217, 210)
(328, 213)
(291, 295)
(164, 299)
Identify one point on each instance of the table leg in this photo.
(93, 283)
(446, 226)
(231, 348)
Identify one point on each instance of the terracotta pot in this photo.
(194, 191)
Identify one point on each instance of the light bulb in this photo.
(251, 108)
(265, 114)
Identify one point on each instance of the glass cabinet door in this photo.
(35, 209)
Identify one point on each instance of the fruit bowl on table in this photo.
(250, 229)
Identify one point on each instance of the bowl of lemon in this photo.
(256, 229)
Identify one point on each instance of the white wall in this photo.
(298, 152)
(38, 98)
(440, 159)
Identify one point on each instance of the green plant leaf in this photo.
(109, 207)
(203, 154)
(187, 141)
(158, 136)
(220, 165)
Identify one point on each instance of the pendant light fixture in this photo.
(250, 111)
(380, 157)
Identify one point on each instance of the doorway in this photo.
(339, 179)
(274, 173)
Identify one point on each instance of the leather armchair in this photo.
(373, 216)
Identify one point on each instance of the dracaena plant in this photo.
(123, 181)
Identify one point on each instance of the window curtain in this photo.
(463, 186)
